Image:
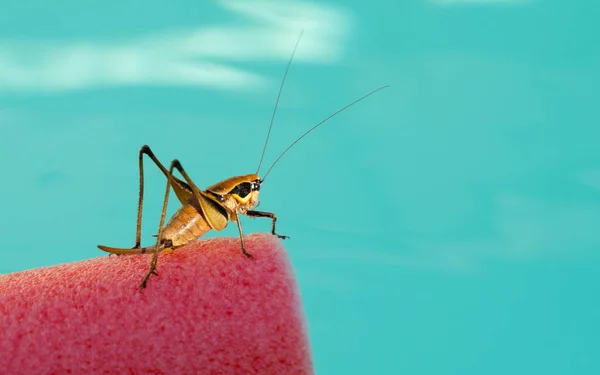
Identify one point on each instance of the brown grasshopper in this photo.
(204, 210)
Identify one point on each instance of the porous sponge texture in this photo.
(211, 310)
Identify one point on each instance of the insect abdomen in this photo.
(186, 225)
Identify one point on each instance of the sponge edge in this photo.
(210, 311)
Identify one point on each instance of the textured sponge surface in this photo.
(210, 311)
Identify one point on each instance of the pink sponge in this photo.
(210, 311)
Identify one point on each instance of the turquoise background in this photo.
(446, 225)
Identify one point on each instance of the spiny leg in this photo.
(159, 244)
(270, 215)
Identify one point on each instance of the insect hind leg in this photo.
(181, 189)
(145, 149)
(160, 246)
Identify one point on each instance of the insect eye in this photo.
(242, 190)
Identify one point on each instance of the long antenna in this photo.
(321, 123)
(277, 101)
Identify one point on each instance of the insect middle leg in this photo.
(197, 194)
(270, 215)
(239, 225)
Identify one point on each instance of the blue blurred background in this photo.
(446, 225)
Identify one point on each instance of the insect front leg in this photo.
(271, 216)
